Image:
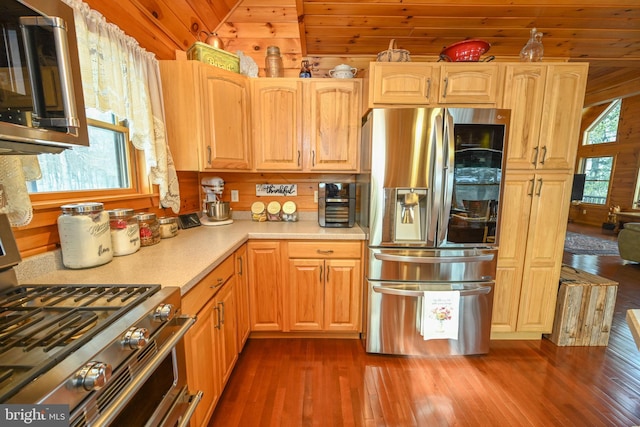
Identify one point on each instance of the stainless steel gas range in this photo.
(113, 353)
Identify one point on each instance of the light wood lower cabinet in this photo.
(531, 241)
(324, 286)
(265, 285)
(211, 344)
(305, 286)
(242, 295)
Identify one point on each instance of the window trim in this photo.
(141, 186)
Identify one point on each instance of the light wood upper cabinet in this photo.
(469, 83)
(207, 116)
(530, 255)
(332, 127)
(404, 83)
(546, 106)
(434, 83)
(306, 124)
(277, 123)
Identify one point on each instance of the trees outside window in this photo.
(598, 175)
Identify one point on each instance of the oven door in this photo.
(151, 392)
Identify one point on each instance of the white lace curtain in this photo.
(121, 77)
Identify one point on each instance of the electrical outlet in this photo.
(315, 196)
(234, 196)
(584, 211)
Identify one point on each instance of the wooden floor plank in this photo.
(306, 382)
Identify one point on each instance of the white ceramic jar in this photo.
(85, 236)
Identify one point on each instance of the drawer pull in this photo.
(220, 282)
(327, 252)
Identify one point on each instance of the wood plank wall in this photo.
(626, 152)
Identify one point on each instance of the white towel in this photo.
(440, 315)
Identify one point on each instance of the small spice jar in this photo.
(168, 227)
(84, 235)
(149, 228)
(125, 232)
(273, 66)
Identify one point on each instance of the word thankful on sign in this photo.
(276, 189)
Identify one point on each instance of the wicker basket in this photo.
(393, 55)
(210, 55)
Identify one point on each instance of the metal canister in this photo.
(125, 232)
(84, 235)
(149, 228)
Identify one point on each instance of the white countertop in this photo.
(179, 261)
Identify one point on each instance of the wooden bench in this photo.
(584, 309)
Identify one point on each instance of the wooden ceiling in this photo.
(604, 33)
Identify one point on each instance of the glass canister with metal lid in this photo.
(125, 232)
(149, 228)
(168, 227)
(85, 239)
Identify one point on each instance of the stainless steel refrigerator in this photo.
(432, 213)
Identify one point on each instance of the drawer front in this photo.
(319, 249)
(197, 297)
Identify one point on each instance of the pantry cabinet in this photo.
(434, 84)
(530, 250)
(324, 286)
(207, 113)
(546, 108)
(211, 343)
(310, 125)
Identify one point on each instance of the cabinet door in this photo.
(332, 125)
(202, 369)
(227, 125)
(305, 294)
(277, 123)
(543, 261)
(265, 279)
(402, 83)
(512, 238)
(524, 95)
(561, 115)
(469, 84)
(227, 328)
(242, 296)
(342, 295)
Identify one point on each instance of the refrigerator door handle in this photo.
(448, 171)
(437, 187)
(434, 259)
(480, 290)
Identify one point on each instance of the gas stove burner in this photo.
(74, 327)
(11, 321)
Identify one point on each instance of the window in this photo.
(104, 165)
(605, 128)
(598, 174)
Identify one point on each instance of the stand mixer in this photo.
(216, 212)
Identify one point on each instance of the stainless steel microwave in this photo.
(41, 103)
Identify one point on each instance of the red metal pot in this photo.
(465, 51)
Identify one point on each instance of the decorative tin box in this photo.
(210, 55)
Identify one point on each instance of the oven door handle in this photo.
(480, 290)
(434, 259)
(127, 393)
(184, 419)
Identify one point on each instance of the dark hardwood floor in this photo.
(306, 382)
